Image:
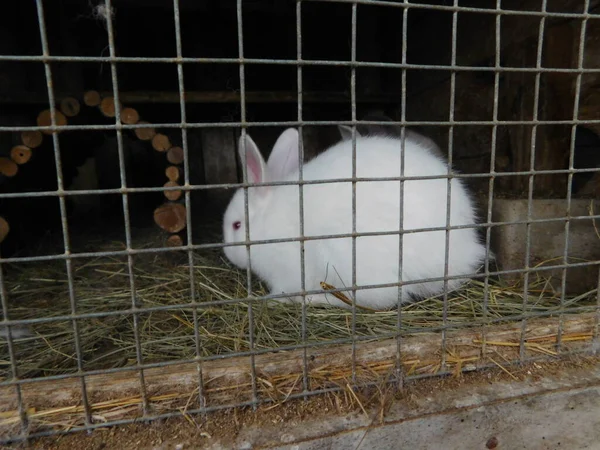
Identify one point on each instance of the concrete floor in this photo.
(561, 420)
(555, 412)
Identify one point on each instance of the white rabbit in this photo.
(274, 214)
(390, 131)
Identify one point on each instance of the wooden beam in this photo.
(228, 380)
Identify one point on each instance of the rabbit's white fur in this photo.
(274, 214)
(409, 135)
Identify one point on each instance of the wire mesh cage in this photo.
(429, 206)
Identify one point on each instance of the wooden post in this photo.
(218, 161)
(20, 154)
(561, 44)
(170, 217)
(219, 153)
(557, 90)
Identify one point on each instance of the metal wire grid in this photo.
(305, 380)
(536, 100)
(246, 213)
(580, 57)
(136, 306)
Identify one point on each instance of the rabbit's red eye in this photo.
(237, 225)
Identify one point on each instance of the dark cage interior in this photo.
(208, 30)
(508, 91)
(212, 86)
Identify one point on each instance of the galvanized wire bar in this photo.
(293, 62)
(536, 103)
(188, 205)
(305, 371)
(141, 251)
(293, 123)
(135, 302)
(130, 190)
(305, 63)
(580, 57)
(449, 184)
(596, 339)
(398, 362)
(240, 32)
(12, 356)
(135, 309)
(63, 215)
(454, 8)
(353, 109)
(488, 231)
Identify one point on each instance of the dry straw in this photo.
(102, 285)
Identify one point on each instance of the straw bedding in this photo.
(102, 285)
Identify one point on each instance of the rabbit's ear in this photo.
(255, 164)
(346, 132)
(284, 157)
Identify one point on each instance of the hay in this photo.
(102, 285)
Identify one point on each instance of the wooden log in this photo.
(173, 173)
(91, 98)
(161, 143)
(170, 217)
(172, 195)
(4, 228)
(32, 139)
(107, 107)
(70, 106)
(144, 134)
(129, 116)
(228, 379)
(20, 154)
(174, 240)
(44, 119)
(175, 155)
(8, 167)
